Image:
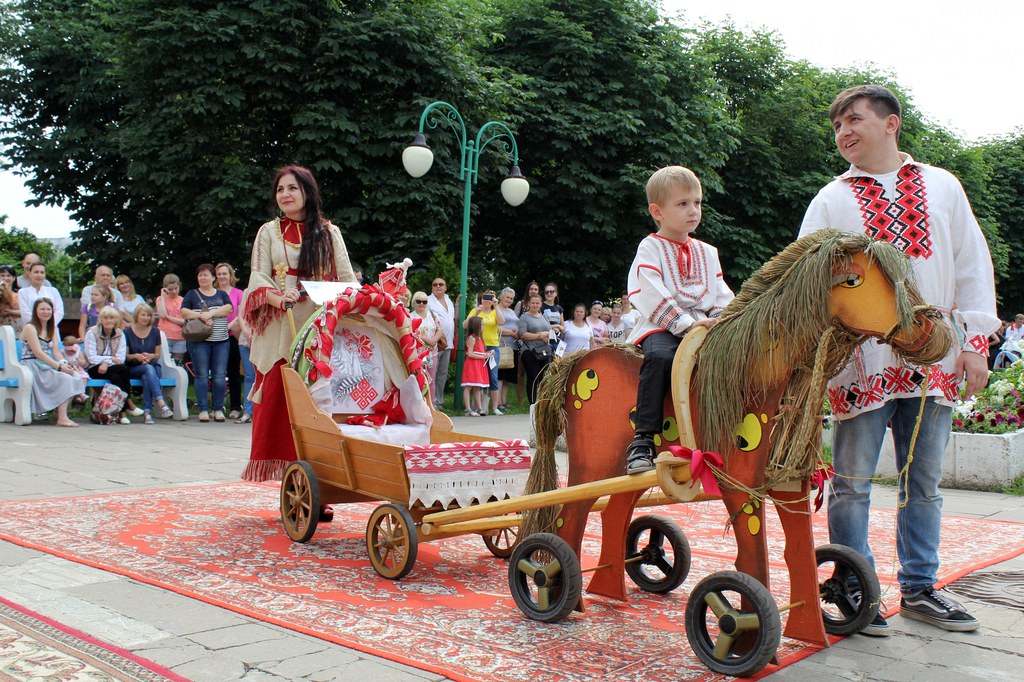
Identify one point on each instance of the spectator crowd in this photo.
(118, 338)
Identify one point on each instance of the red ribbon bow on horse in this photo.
(700, 467)
(819, 478)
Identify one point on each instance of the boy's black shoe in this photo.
(640, 455)
(936, 608)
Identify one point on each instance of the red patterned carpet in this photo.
(33, 647)
(224, 544)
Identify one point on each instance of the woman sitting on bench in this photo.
(54, 382)
(105, 351)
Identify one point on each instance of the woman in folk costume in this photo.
(300, 245)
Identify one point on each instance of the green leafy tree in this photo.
(1004, 159)
(611, 93)
(159, 125)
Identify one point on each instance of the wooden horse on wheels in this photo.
(751, 390)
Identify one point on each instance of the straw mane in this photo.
(784, 309)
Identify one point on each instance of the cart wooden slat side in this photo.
(352, 469)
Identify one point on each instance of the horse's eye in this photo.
(852, 281)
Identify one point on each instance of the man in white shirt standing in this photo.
(26, 263)
(441, 305)
(104, 277)
(37, 289)
(922, 211)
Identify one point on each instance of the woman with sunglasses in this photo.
(440, 303)
(54, 381)
(552, 312)
(429, 331)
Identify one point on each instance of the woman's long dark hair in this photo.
(316, 255)
(51, 326)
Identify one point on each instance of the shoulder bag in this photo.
(195, 330)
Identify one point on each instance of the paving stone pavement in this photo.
(206, 643)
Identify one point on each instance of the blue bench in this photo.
(20, 388)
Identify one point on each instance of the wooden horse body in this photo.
(859, 298)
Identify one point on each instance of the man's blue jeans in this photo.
(210, 358)
(856, 446)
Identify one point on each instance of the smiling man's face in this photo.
(865, 138)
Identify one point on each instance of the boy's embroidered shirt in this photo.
(926, 216)
(673, 284)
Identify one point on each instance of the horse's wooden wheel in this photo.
(850, 594)
(300, 501)
(715, 623)
(657, 554)
(544, 577)
(391, 541)
(501, 542)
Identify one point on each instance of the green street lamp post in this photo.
(417, 159)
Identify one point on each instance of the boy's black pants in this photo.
(655, 379)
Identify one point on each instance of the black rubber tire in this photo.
(300, 501)
(850, 593)
(544, 577)
(715, 623)
(503, 542)
(658, 570)
(391, 541)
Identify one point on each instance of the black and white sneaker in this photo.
(938, 609)
(878, 627)
(640, 455)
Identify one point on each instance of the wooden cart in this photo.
(333, 468)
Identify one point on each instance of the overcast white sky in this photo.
(962, 62)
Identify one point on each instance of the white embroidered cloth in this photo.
(463, 472)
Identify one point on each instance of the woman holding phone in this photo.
(492, 318)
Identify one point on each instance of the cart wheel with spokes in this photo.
(732, 623)
(300, 501)
(544, 577)
(391, 541)
(848, 585)
(501, 542)
(657, 554)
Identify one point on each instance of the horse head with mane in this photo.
(755, 397)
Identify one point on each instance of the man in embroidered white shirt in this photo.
(923, 211)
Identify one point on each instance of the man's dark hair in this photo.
(881, 100)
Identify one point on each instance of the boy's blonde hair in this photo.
(664, 179)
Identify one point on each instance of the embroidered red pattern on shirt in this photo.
(872, 393)
(898, 379)
(892, 381)
(945, 382)
(687, 272)
(904, 222)
(837, 400)
(980, 344)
